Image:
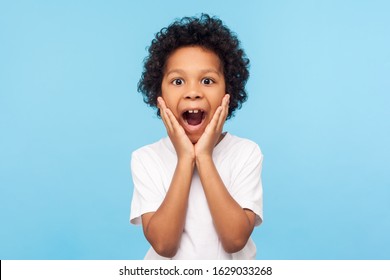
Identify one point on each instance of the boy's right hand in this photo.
(184, 148)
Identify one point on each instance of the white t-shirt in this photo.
(239, 163)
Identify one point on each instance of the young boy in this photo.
(198, 192)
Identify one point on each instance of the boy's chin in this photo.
(194, 138)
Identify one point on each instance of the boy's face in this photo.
(193, 86)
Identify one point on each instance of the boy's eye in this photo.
(177, 82)
(207, 81)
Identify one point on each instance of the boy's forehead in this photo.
(193, 58)
(201, 71)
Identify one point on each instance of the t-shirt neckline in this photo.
(168, 143)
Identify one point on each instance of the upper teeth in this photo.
(193, 111)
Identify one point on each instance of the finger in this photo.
(166, 121)
(226, 105)
(161, 102)
(175, 124)
(221, 120)
(214, 121)
(225, 111)
(227, 100)
(163, 114)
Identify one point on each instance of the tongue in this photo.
(194, 118)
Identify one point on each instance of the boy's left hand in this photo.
(213, 131)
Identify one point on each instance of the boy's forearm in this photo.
(232, 223)
(166, 225)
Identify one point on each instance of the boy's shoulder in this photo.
(236, 144)
(161, 146)
(240, 140)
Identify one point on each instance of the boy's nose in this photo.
(193, 93)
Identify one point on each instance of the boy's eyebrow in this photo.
(204, 71)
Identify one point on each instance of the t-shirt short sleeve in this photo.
(246, 183)
(148, 193)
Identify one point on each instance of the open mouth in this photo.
(194, 117)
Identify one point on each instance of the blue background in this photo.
(70, 116)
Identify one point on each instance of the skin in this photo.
(193, 79)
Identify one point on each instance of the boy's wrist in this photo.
(204, 158)
(186, 160)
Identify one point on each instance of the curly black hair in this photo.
(209, 33)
